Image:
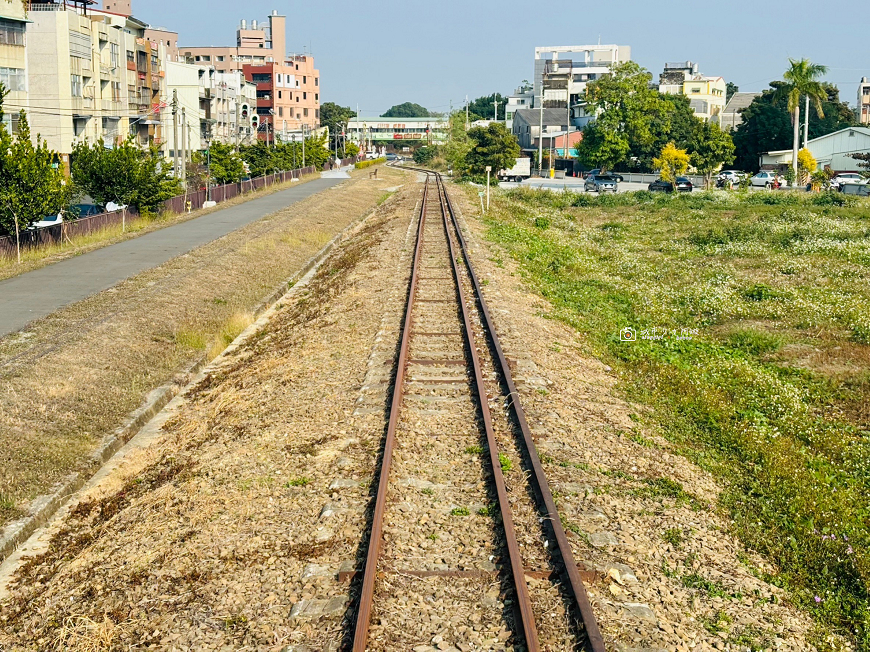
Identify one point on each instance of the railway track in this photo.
(459, 461)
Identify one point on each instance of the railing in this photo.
(53, 235)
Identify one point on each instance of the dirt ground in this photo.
(230, 532)
(70, 379)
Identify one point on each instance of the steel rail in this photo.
(364, 613)
(593, 633)
(527, 617)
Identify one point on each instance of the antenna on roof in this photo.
(599, 39)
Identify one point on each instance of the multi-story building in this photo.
(732, 116)
(183, 115)
(368, 132)
(222, 96)
(13, 59)
(523, 98)
(864, 101)
(707, 95)
(288, 86)
(167, 39)
(562, 73)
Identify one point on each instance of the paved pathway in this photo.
(39, 293)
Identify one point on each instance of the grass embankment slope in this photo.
(761, 369)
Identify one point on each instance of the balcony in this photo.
(112, 106)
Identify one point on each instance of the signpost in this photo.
(488, 171)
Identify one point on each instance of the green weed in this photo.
(505, 462)
(460, 511)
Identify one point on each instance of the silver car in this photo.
(600, 183)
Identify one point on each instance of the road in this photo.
(39, 293)
(572, 184)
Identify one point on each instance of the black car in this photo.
(597, 172)
(660, 185)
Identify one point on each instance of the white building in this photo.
(523, 98)
(183, 117)
(562, 73)
(832, 151)
(222, 96)
(707, 95)
(13, 59)
(864, 101)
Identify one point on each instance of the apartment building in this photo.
(288, 85)
(13, 59)
(707, 95)
(562, 73)
(864, 101)
(222, 96)
(183, 115)
(523, 98)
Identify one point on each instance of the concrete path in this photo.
(39, 293)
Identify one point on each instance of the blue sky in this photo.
(377, 54)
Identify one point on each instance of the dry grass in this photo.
(32, 259)
(73, 377)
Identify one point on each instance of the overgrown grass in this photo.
(752, 316)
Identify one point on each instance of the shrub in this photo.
(362, 165)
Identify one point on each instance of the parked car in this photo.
(619, 178)
(49, 220)
(764, 179)
(726, 177)
(660, 185)
(600, 183)
(78, 211)
(845, 178)
(392, 157)
(859, 189)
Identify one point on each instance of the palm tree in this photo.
(802, 77)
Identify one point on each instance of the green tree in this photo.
(350, 150)
(125, 174)
(32, 186)
(263, 159)
(673, 121)
(625, 105)
(711, 148)
(492, 146)
(222, 163)
(730, 89)
(407, 110)
(484, 107)
(332, 115)
(672, 163)
(802, 79)
(455, 150)
(425, 155)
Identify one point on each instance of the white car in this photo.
(51, 220)
(846, 177)
(764, 179)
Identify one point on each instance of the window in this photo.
(262, 110)
(317, 97)
(153, 61)
(317, 114)
(261, 78)
(76, 85)
(305, 111)
(279, 94)
(304, 79)
(130, 58)
(80, 45)
(279, 78)
(116, 91)
(221, 58)
(696, 90)
(115, 54)
(11, 32)
(12, 122)
(304, 96)
(264, 95)
(281, 111)
(317, 81)
(13, 79)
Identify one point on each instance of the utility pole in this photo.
(184, 149)
(303, 144)
(466, 113)
(496, 110)
(175, 132)
(807, 123)
(541, 138)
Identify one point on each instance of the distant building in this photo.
(222, 98)
(121, 7)
(288, 86)
(182, 83)
(13, 59)
(398, 131)
(707, 95)
(831, 151)
(731, 117)
(864, 101)
(527, 129)
(95, 75)
(562, 73)
(167, 39)
(523, 98)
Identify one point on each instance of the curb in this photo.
(44, 507)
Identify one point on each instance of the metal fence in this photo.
(52, 235)
(629, 177)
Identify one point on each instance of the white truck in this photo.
(521, 170)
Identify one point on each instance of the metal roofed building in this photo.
(830, 151)
(399, 131)
(731, 117)
(527, 126)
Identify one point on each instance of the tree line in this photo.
(33, 183)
